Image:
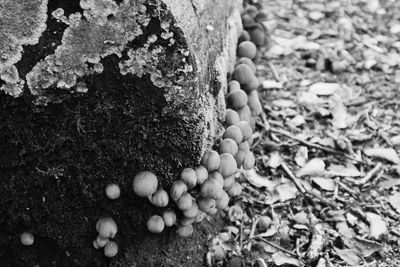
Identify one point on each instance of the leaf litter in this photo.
(326, 188)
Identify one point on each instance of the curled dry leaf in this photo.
(388, 154)
(350, 256)
(314, 167)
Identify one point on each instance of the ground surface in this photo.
(326, 186)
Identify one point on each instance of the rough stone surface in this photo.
(92, 92)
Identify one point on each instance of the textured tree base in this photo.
(57, 157)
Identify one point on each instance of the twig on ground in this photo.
(276, 246)
(274, 72)
(370, 174)
(252, 232)
(303, 190)
(326, 149)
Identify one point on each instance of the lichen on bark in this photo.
(21, 23)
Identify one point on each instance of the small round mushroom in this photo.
(185, 231)
(247, 49)
(155, 224)
(228, 146)
(106, 227)
(101, 242)
(245, 128)
(188, 175)
(228, 165)
(234, 133)
(185, 202)
(192, 212)
(159, 198)
(201, 173)
(211, 160)
(111, 249)
(113, 191)
(145, 184)
(206, 204)
(211, 188)
(237, 99)
(27, 238)
(231, 117)
(223, 201)
(178, 189)
(169, 217)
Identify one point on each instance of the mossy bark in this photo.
(100, 91)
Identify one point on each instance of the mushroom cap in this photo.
(243, 74)
(201, 173)
(155, 224)
(113, 191)
(245, 129)
(169, 217)
(185, 231)
(211, 160)
(228, 146)
(27, 238)
(178, 189)
(228, 165)
(233, 132)
(248, 62)
(211, 188)
(145, 184)
(249, 161)
(228, 182)
(233, 86)
(106, 227)
(185, 202)
(223, 201)
(206, 203)
(237, 99)
(247, 49)
(231, 117)
(160, 198)
(188, 175)
(111, 249)
(192, 212)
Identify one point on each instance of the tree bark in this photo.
(92, 92)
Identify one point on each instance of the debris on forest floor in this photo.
(326, 188)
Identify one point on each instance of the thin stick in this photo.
(326, 149)
(303, 190)
(370, 174)
(276, 246)
(274, 72)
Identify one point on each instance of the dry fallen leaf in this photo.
(344, 171)
(280, 258)
(326, 184)
(286, 191)
(377, 225)
(257, 180)
(350, 256)
(388, 154)
(339, 112)
(314, 167)
(269, 84)
(324, 89)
